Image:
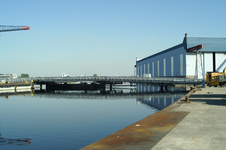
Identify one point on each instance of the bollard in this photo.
(188, 95)
(187, 98)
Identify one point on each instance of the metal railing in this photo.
(130, 79)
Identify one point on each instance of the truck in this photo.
(215, 79)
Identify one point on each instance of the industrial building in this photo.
(191, 59)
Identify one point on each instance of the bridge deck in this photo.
(113, 79)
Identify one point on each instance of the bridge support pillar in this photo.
(103, 85)
(166, 87)
(203, 83)
(110, 86)
(162, 86)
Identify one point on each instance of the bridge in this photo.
(99, 82)
(109, 79)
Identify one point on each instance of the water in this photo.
(72, 120)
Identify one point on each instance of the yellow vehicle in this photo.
(215, 79)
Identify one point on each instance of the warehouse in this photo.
(191, 59)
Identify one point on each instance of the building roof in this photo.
(210, 44)
(164, 51)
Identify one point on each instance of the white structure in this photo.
(191, 59)
(64, 75)
(14, 75)
(3, 78)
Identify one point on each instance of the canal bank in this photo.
(15, 86)
(205, 125)
(200, 124)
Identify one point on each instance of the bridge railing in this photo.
(130, 79)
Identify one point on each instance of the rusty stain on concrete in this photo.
(143, 134)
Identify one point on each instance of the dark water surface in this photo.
(72, 120)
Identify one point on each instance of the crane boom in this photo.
(5, 28)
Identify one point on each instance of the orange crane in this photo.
(6, 28)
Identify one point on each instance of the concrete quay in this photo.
(204, 128)
(198, 125)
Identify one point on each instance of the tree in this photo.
(95, 75)
(24, 75)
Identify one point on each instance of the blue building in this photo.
(191, 59)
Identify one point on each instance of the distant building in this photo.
(191, 59)
(64, 75)
(14, 76)
(3, 78)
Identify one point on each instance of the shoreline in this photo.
(15, 86)
(145, 133)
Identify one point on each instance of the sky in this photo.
(103, 37)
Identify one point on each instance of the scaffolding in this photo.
(199, 66)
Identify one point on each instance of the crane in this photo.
(4, 141)
(5, 28)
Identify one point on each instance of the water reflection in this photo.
(7, 93)
(14, 142)
(161, 101)
(76, 119)
(143, 87)
(18, 141)
(162, 96)
(149, 94)
(154, 98)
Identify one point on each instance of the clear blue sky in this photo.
(81, 37)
